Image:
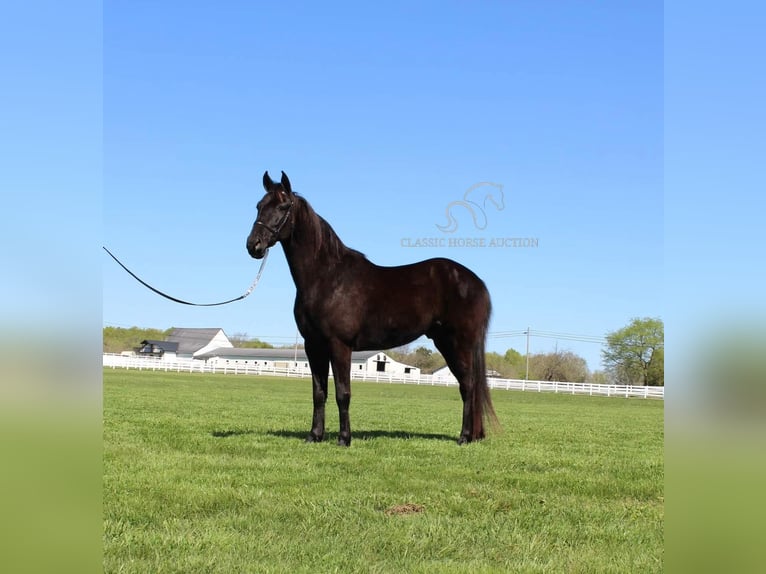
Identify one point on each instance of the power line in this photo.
(562, 336)
(548, 335)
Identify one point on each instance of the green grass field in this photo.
(209, 473)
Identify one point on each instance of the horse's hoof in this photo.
(344, 441)
(313, 438)
(463, 440)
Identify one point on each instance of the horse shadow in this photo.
(230, 432)
(330, 436)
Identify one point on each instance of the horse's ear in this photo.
(286, 183)
(267, 183)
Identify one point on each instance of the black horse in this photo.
(345, 303)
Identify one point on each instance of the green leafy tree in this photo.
(655, 374)
(515, 360)
(634, 355)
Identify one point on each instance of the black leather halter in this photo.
(275, 230)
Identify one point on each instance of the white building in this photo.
(214, 347)
(361, 361)
(445, 374)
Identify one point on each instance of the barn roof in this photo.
(192, 340)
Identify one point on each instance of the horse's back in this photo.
(443, 281)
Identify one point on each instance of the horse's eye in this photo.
(283, 206)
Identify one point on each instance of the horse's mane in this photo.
(324, 237)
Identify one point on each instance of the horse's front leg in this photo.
(340, 357)
(319, 360)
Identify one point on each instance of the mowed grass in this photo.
(209, 473)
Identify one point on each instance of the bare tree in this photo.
(558, 366)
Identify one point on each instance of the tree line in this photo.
(556, 366)
(632, 355)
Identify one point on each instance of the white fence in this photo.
(196, 366)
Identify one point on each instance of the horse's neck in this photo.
(309, 254)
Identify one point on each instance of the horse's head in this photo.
(274, 212)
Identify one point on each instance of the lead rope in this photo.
(145, 284)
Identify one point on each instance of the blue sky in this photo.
(382, 116)
(50, 169)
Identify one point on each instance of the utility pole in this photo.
(526, 377)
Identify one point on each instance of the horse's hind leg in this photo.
(340, 357)
(459, 361)
(466, 393)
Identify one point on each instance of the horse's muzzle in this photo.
(256, 247)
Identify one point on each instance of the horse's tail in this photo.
(483, 411)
